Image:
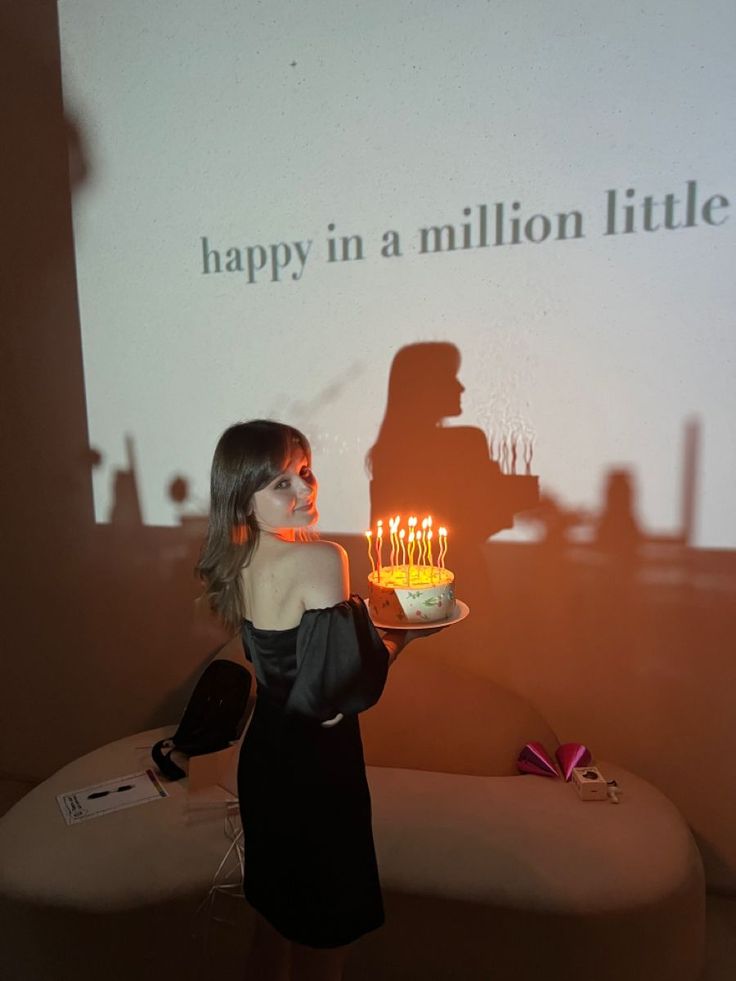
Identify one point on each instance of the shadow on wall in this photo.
(99, 625)
(420, 466)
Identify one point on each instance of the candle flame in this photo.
(413, 545)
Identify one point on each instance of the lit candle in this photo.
(425, 525)
(420, 548)
(379, 545)
(428, 539)
(392, 539)
(443, 547)
(412, 522)
(368, 539)
(402, 533)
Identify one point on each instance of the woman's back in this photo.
(283, 579)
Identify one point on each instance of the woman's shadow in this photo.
(419, 465)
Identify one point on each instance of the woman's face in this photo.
(289, 500)
(455, 389)
(447, 390)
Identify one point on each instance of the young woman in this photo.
(310, 865)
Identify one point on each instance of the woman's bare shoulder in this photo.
(323, 552)
(325, 575)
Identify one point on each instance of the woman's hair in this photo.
(248, 456)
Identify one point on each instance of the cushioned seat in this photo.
(116, 896)
(529, 842)
(135, 857)
(516, 877)
(485, 876)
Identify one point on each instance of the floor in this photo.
(720, 910)
(720, 938)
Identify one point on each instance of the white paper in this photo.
(113, 795)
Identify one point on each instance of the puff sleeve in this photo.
(342, 662)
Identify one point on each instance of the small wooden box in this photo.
(589, 783)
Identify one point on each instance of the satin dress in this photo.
(309, 861)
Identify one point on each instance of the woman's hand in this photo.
(329, 723)
(396, 640)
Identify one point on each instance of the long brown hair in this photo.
(248, 456)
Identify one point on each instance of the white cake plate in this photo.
(461, 611)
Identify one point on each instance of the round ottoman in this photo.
(485, 877)
(116, 896)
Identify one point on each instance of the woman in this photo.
(310, 868)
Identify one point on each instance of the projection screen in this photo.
(282, 195)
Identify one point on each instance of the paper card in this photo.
(112, 795)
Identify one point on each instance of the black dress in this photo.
(309, 861)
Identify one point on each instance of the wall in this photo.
(627, 650)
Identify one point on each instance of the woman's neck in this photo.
(270, 536)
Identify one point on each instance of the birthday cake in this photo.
(414, 586)
(401, 595)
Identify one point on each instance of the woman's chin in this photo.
(307, 518)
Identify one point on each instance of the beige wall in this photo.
(633, 658)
